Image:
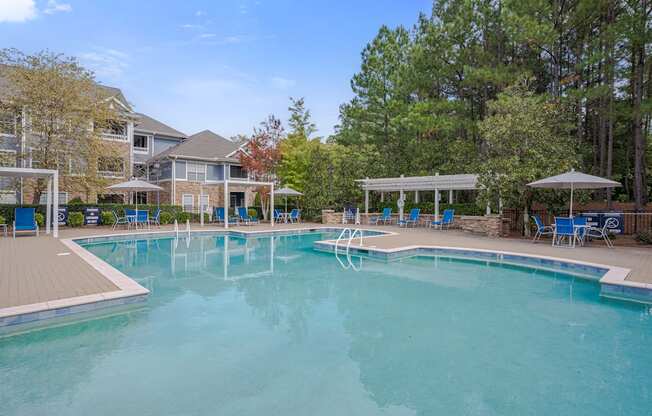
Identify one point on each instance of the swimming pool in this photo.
(275, 327)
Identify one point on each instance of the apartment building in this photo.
(189, 168)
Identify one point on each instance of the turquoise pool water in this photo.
(275, 328)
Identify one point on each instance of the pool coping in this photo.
(613, 282)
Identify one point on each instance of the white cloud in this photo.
(207, 35)
(106, 62)
(282, 83)
(200, 13)
(191, 26)
(55, 7)
(17, 10)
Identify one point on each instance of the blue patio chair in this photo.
(412, 219)
(563, 229)
(446, 221)
(244, 216)
(278, 215)
(132, 217)
(117, 220)
(542, 229)
(156, 218)
(218, 214)
(25, 220)
(295, 216)
(580, 227)
(142, 217)
(350, 215)
(384, 217)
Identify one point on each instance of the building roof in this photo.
(206, 146)
(149, 125)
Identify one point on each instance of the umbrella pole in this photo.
(286, 203)
(571, 201)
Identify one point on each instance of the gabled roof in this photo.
(146, 124)
(206, 146)
(115, 93)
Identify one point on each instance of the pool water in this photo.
(276, 328)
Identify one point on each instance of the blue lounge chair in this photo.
(218, 214)
(25, 220)
(563, 229)
(446, 221)
(244, 216)
(412, 219)
(295, 216)
(541, 228)
(385, 217)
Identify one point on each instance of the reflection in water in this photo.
(266, 325)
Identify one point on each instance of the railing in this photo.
(351, 236)
(114, 136)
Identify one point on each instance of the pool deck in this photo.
(44, 273)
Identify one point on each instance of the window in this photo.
(140, 170)
(180, 170)
(33, 159)
(196, 172)
(238, 172)
(215, 172)
(140, 198)
(205, 202)
(63, 198)
(117, 128)
(164, 171)
(141, 143)
(8, 158)
(187, 201)
(77, 167)
(7, 123)
(110, 199)
(8, 197)
(111, 167)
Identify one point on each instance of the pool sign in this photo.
(91, 216)
(62, 216)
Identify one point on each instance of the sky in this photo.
(220, 65)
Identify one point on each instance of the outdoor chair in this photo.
(278, 215)
(244, 216)
(132, 217)
(446, 221)
(563, 230)
(350, 215)
(142, 217)
(541, 228)
(25, 220)
(117, 220)
(295, 216)
(218, 214)
(412, 219)
(580, 227)
(384, 217)
(156, 218)
(603, 232)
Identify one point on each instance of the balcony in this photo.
(119, 137)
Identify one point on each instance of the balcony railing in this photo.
(114, 136)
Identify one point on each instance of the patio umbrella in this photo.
(574, 180)
(287, 192)
(135, 185)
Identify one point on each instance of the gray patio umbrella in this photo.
(287, 192)
(135, 185)
(574, 180)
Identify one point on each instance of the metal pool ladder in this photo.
(350, 235)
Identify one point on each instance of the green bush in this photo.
(166, 218)
(75, 201)
(3, 220)
(40, 219)
(107, 218)
(75, 219)
(644, 237)
(7, 210)
(182, 217)
(252, 212)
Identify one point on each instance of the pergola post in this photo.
(436, 204)
(48, 207)
(450, 196)
(366, 201)
(382, 196)
(55, 204)
(271, 204)
(226, 204)
(416, 197)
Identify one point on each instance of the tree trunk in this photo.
(640, 145)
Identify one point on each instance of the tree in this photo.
(528, 138)
(262, 156)
(62, 112)
(300, 119)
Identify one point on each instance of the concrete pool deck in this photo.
(40, 274)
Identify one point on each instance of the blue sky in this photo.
(222, 65)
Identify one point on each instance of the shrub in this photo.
(182, 217)
(107, 218)
(252, 212)
(3, 220)
(166, 218)
(75, 219)
(644, 237)
(75, 201)
(40, 219)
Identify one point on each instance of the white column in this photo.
(488, 209)
(48, 207)
(436, 204)
(366, 201)
(271, 204)
(55, 204)
(382, 197)
(416, 197)
(450, 196)
(173, 197)
(400, 205)
(226, 207)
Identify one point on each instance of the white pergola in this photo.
(436, 183)
(245, 183)
(52, 204)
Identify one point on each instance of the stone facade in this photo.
(489, 225)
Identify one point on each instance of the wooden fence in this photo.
(634, 222)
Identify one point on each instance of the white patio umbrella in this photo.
(287, 192)
(574, 180)
(135, 185)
